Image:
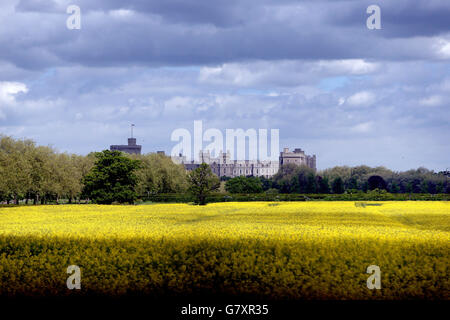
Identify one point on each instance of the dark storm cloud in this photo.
(221, 13)
(37, 6)
(400, 18)
(177, 32)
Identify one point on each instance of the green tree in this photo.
(440, 187)
(409, 187)
(244, 185)
(15, 169)
(41, 172)
(293, 178)
(202, 181)
(376, 182)
(159, 174)
(311, 183)
(424, 186)
(352, 183)
(67, 177)
(337, 185)
(285, 179)
(394, 187)
(112, 179)
(266, 183)
(323, 184)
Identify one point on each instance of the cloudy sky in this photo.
(311, 69)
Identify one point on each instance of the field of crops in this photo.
(289, 250)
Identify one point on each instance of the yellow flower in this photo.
(292, 250)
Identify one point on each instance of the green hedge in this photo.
(371, 196)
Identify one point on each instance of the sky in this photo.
(312, 69)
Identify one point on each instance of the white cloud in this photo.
(9, 89)
(363, 98)
(442, 48)
(284, 73)
(208, 72)
(431, 101)
(178, 105)
(348, 66)
(362, 127)
(237, 74)
(121, 13)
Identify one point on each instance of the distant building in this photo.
(223, 166)
(297, 157)
(131, 148)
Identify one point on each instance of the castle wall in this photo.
(223, 166)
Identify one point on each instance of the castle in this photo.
(223, 166)
(297, 157)
(131, 148)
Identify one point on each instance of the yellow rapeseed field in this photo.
(286, 250)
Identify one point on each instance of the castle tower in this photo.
(297, 157)
(131, 148)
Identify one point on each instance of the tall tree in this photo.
(352, 183)
(311, 183)
(41, 172)
(202, 181)
(323, 184)
(376, 182)
(112, 179)
(337, 185)
(15, 168)
(159, 174)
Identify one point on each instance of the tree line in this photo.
(39, 174)
(304, 180)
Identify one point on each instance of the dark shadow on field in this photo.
(365, 204)
(241, 268)
(200, 218)
(423, 222)
(209, 217)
